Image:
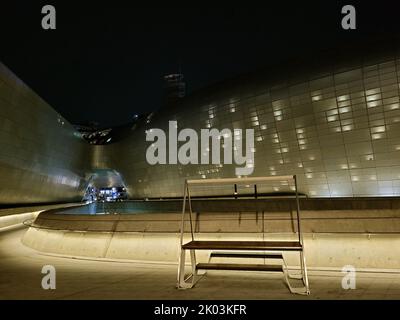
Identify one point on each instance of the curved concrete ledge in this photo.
(378, 251)
(367, 239)
(12, 216)
(13, 219)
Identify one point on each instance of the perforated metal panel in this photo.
(42, 158)
(337, 129)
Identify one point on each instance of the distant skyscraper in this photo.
(175, 86)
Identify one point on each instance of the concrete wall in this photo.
(42, 158)
(377, 251)
(367, 238)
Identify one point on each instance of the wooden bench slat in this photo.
(244, 245)
(241, 267)
(246, 255)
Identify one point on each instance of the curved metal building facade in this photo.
(335, 125)
(42, 158)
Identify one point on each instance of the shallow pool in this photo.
(125, 207)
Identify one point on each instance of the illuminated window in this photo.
(332, 118)
(347, 128)
(372, 91)
(332, 112)
(373, 104)
(343, 98)
(377, 136)
(345, 109)
(373, 97)
(378, 129)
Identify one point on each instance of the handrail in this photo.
(239, 180)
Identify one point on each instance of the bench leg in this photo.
(302, 276)
(181, 270)
(194, 270)
(304, 272)
(184, 283)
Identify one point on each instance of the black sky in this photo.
(105, 61)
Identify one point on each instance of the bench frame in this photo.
(189, 281)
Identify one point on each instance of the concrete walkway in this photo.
(20, 278)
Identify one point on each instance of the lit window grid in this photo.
(359, 110)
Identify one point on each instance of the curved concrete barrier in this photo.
(366, 239)
(13, 219)
(18, 215)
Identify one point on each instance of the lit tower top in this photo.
(175, 86)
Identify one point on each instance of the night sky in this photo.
(105, 61)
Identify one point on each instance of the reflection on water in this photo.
(125, 207)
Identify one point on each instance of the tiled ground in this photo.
(20, 278)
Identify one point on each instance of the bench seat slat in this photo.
(243, 245)
(241, 267)
(246, 255)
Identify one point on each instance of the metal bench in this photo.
(240, 249)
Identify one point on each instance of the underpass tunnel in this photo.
(105, 185)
